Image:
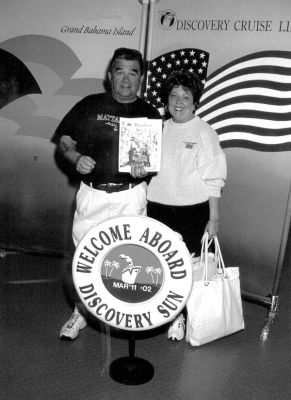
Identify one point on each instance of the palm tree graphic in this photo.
(157, 272)
(150, 270)
(107, 264)
(114, 265)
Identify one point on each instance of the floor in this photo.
(36, 365)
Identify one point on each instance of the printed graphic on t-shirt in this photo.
(110, 120)
(189, 145)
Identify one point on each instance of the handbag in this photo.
(214, 307)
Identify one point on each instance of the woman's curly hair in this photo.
(188, 80)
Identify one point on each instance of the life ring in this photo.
(132, 272)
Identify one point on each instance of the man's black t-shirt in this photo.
(94, 124)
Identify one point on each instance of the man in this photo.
(89, 139)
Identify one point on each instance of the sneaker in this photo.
(177, 329)
(71, 328)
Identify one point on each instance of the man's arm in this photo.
(68, 148)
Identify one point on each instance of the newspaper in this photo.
(140, 143)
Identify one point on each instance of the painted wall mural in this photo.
(15, 79)
(61, 51)
(51, 66)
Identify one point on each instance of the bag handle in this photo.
(204, 256)
(221, 265)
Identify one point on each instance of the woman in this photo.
(185, 193)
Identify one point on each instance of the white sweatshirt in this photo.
(193, 166)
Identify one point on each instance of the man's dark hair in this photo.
(188, 80)
(128, 54)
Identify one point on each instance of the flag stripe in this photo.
(260, 131)
(253, 145)
(256, 138)
(254, 118)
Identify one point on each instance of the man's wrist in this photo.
(78, 158)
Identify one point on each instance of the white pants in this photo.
(95, 206)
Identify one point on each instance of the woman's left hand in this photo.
(212, 228)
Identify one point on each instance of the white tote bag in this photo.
(214, 307)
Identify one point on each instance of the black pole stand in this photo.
(272, 301)
(131, 370)
(274, 306)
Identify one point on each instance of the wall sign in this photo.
(132, 273)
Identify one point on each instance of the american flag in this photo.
(194, 60)
(248, 102)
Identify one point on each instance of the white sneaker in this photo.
(71, 328)
(177, 329)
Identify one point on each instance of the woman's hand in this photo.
(212, 228)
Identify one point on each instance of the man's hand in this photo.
(85, 165)
(138, 171)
